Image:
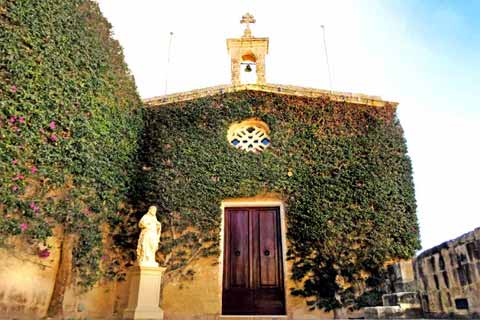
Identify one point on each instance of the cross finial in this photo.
(247, 18)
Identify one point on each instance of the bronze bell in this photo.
(248, 68)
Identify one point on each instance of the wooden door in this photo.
(253, 273)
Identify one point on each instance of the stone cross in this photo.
(247, 18)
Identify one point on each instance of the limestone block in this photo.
(144, 295)
(403, 299)
(26, 280)
(401, 277)
(383, 312)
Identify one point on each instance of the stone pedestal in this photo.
(144, 294)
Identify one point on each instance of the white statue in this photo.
(149, 238)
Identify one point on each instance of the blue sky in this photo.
(435, 73)
(449, 32)
(423, 54)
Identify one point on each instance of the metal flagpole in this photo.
(168, 61)
(326, 58)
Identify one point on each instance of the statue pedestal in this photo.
(144, 294)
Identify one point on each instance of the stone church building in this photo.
(255, 177)
(276, 201)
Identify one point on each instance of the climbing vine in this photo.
(69, 124)
(342, 170)
(70, 127)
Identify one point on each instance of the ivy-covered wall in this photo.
(69, 123)
(342, 170)
(69, 145)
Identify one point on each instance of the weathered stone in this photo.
(247, 49)
(450, 284)
(349, 97)
(404, 299)
(383, 312)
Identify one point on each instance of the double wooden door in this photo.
(252, 273)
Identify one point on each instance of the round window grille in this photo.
(250, 136)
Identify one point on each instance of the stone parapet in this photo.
(354, 98)
(448, 277)
(444, 283)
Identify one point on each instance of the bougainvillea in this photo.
(341, 168)
(69, 120)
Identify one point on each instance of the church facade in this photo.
(275, 200)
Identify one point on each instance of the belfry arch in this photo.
(246, 52)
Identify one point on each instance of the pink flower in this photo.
(23, 227)
(104, 258)
(12, 119)
(33, 169)
(52, 125)
(14, 188)
(14, 161)
(34, 206)
(44, 253)
(13, 88)
(21, 119)
(53, 138)
(19, 177)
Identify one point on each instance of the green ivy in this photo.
(342, 170)
(69, 139)
(69, 124)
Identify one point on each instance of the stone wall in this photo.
(200, 297)
(444, 279)
(400, 277)
(27, 281)
(448, 277)
(401, 298)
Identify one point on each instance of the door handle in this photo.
(266, 252)
(237, 253)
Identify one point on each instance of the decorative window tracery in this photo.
(249, 135)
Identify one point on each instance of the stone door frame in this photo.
(257, 203)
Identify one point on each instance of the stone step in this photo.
(403, 299)
(392, 312)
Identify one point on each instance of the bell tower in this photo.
(247, 54)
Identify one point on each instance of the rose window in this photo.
(249, 135)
